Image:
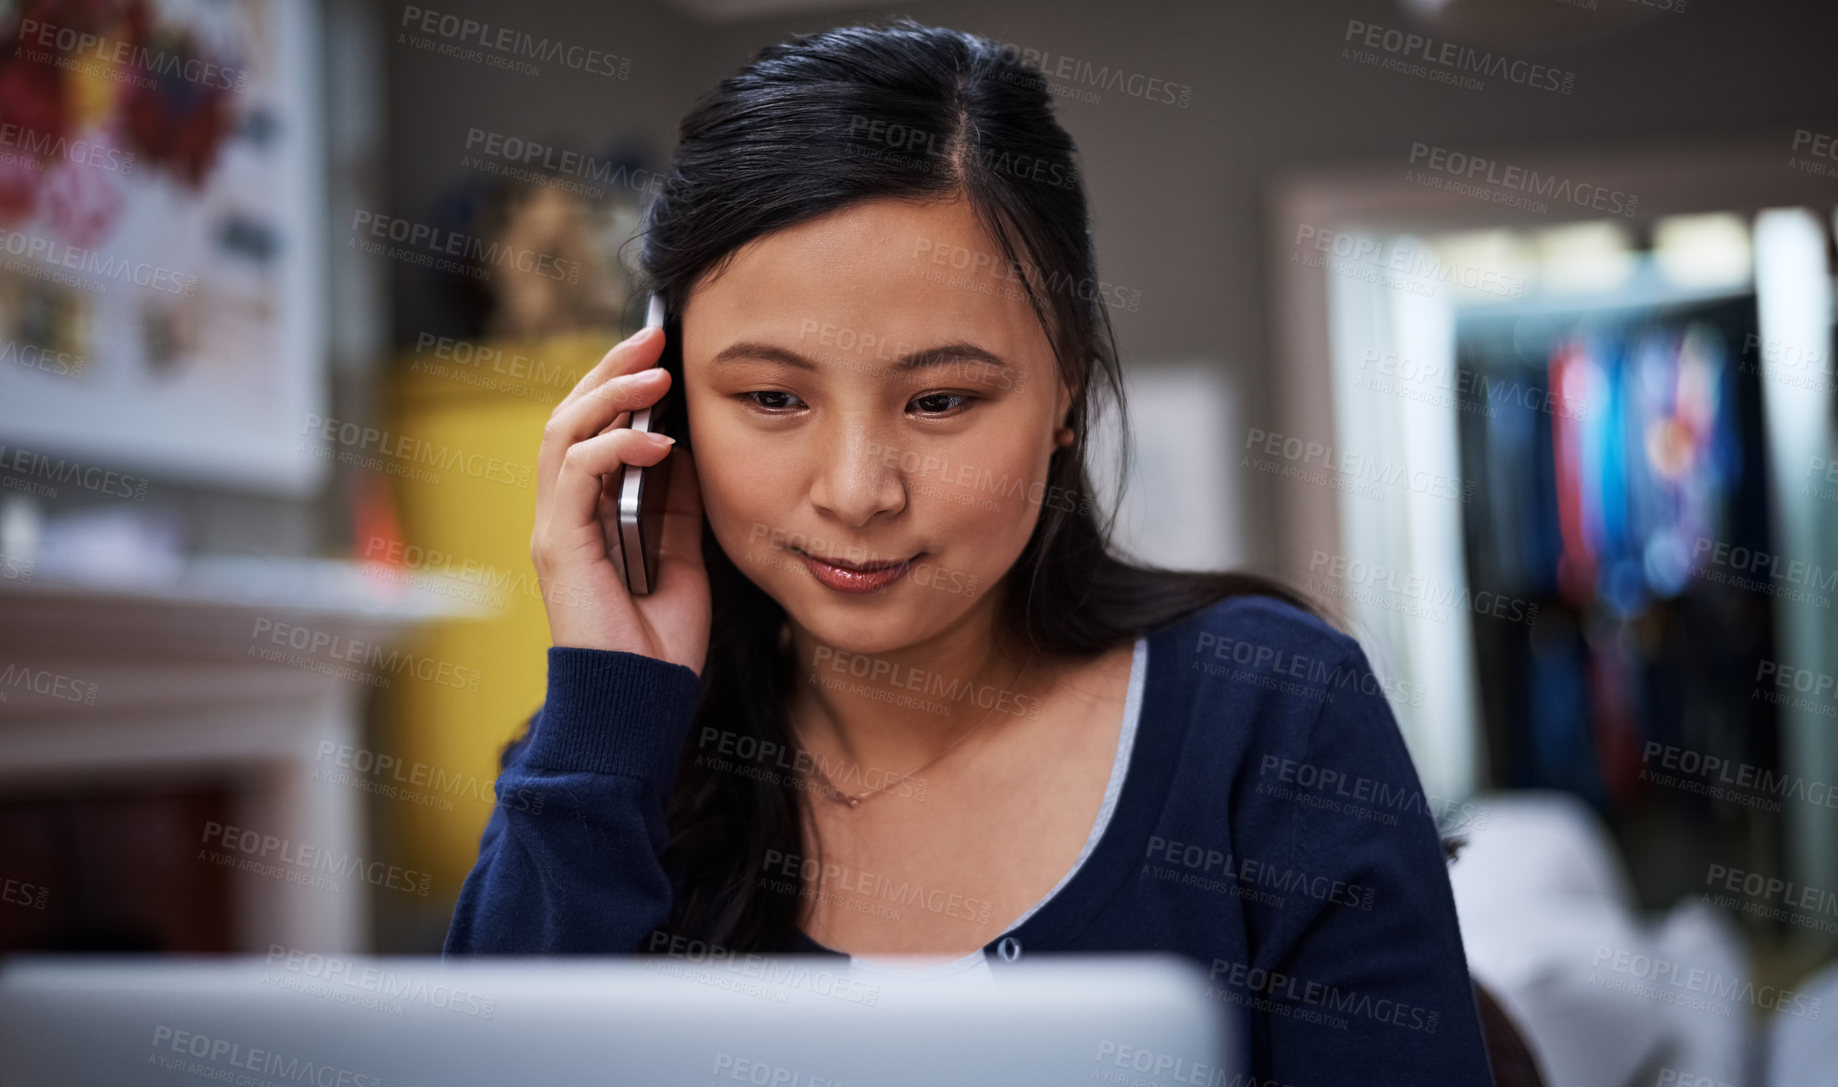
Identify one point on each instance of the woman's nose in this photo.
(857, 476)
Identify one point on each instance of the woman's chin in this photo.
(859, 635)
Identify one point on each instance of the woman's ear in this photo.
(1064, 434)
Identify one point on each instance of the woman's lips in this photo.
(856, 579)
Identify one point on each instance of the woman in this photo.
(892, 693)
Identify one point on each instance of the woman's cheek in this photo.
(984, 529)
(739, 508)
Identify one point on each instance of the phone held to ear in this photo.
(643, 490)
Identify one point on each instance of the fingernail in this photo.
(661, 439)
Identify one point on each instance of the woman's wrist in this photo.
(613, 712)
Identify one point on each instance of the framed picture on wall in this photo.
(161, 225)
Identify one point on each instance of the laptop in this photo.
(291, 1017)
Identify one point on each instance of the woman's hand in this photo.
(575, 544)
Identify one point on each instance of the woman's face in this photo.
(870, 387)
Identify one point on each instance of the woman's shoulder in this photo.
(1261, 634)
(1257, 678)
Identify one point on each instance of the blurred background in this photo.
(1504, 327)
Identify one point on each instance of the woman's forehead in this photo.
(871, 277)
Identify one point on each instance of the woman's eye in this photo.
(777, 400)
(939, 403)
(770, 399)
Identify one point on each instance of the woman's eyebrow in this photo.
(950, 354)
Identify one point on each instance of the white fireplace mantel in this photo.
(144, 687)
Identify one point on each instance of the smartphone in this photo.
(643, 490)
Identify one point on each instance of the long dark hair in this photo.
(803, 130)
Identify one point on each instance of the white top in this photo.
(976, 963)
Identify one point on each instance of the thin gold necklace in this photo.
(854, 800)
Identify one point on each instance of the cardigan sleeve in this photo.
(570, 859)
(1366, 975)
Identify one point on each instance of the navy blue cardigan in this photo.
(1271, 827)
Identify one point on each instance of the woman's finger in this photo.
(592, 411)
(635, 352)
(603, 410)
(584, 466)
